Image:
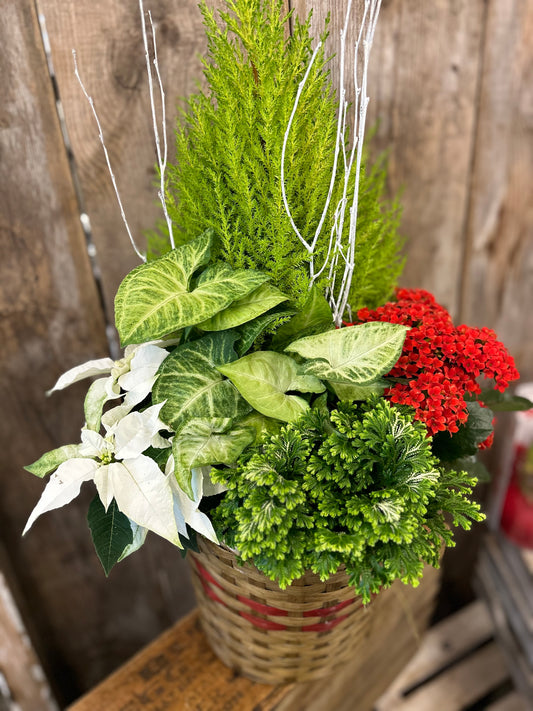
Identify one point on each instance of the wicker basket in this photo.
(271, 635)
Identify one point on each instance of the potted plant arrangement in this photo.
(307, 429)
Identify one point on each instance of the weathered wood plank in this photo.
(498, 275)
(510, 702)
(108, 40)
(443, 645)
(51, 320)
(458, 687)
(422, 87)
(179, 671)
(20, 668)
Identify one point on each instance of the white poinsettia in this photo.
(120, 470)
(134, 374)
(187, 510)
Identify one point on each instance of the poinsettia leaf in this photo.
(264, 378)
(51, 460)
(315, 317)
(357, 354)
(96, 398)
(142, 492)
(139, 537)
(248, 332)
(158, 298)
(263, 299)
(191, 386)
(466, 441)
(85, 370)
(111, 532)
(207, 441)
(351, 391)
(504, 402)
(63, 486)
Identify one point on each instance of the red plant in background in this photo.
(440, 362)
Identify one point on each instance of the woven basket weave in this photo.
(271, 635)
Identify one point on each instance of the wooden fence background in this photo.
(452, 88)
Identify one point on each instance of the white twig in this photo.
(161, 158)
(108, 161)
(337, 251)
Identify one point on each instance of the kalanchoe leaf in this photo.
(265, 378)
(111, 532)
(359, 354)
(263, 299)
(51, 460)
(466, 441)
(191, 386)
(315, 317)
(504, 402)
(158, 298)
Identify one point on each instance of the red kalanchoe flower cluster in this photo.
(440, 363)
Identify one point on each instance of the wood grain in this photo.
(108, 40)
(423, 87)
(498, 275)
(179, 671)
(27, 686)
(52, 320)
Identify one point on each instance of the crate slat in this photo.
(443, 644)
(462, 684)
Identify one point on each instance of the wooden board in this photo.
(51, 319)
(423, 89)
(498, 274)
(179, 671)
(108, 39)
(24, 681)
(458, 666)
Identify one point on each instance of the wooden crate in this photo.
(459, 666)
(505, 579)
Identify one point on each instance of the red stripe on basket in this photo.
(264, 624)
(324, 626)
(211, 593)
(325, 611)
(206, 575)
(263, 609)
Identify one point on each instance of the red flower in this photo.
(439, 361)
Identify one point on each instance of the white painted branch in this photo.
(107, 159)
(161, 158)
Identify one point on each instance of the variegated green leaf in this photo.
(191, 385)
(51, 460)
(357, 354)
(351, 391)
(264, 378)
(262, 299)
(157, 298)
(207, 441)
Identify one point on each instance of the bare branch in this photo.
(108, 161)
(161, 159)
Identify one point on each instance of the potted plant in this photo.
(278, 395)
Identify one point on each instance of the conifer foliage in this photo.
(357, 486)
(228, 157)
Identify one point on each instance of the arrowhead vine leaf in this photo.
(264, 378)
(158, 297)
(191, 386)
(359, 354)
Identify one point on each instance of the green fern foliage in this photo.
(358, 486)
(228, 157)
